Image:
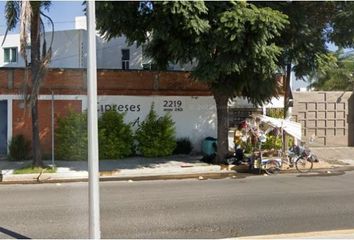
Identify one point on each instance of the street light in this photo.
(94, 205)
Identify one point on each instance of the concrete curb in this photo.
(333, 234)
(201, 176)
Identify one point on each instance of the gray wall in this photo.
(326, 115)
(67, 49)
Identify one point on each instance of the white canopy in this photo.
(290, 127)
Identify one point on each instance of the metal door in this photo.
(3, 127)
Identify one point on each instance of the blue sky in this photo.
(63, 14)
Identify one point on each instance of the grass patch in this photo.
(30, 169)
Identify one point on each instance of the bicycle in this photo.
(270, 165)
(299, 157)
(296, 156)
(255, 161)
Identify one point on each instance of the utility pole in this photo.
(287, 107)
(93, 166)
(53, 164)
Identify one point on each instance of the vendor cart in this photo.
(250, 131)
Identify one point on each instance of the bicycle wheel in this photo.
(272, 167)
(303, 165)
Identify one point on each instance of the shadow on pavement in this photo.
(12, 234)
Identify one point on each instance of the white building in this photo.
(196, 120)
(70, 51)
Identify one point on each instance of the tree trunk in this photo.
(287, 89)
(286, 104)
(221, 101)
(35, 66)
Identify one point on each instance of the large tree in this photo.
(334, 74)
(312, 26)
(229, 43)
(342, 25)
(32, 31)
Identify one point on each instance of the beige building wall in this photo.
(327, 116)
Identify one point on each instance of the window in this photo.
(10, 55)
(125, 58)
(147, 66)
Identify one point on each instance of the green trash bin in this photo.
(209, 146)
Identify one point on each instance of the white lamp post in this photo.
(94, 204)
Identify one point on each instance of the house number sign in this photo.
(172, 105)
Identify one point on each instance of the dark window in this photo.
(125, 54)
(125, 58)
(10, 55)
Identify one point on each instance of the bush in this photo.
(115, 137)
(272, 142)
(71, 137)
(156, 136)
(275, 112)
(184, 146)
(19, 148)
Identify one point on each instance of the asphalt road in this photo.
(181, 208)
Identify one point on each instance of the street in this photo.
(224, 208)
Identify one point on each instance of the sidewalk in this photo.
(335, 155)
(174, 167)
(135, 168)
(335, 234)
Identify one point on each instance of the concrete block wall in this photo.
(327, 116)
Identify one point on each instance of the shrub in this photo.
(156, 136)
(115, 137)
(275, 112)
(19, 148)
(272, 142)
(71, 137)
(184, 146)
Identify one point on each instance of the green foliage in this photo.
(304, 37)
(247, 146)
(290, 141)
(115, 137)
(272, 142)
(335, 74)
(184, 146)
(156, 136)
(31, 169)
(71, 137)
(342, 22)
(13, 11)
(231, 43)
(19, 148)
(312, 26)
(275, 112)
